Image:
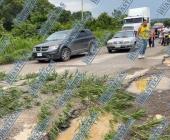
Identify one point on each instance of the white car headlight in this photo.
(109, 43)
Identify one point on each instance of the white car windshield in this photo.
(124, 34)
(128, 28)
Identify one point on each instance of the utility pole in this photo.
(82, 4)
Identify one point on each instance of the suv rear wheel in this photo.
(65, 54)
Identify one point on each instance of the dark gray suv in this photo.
(59, 46)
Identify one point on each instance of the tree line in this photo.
(10, 8)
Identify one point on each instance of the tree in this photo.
(8, 11)
(78, 15)
(116, 13)
(167, 22)
(11, 8)
(65, 17)
(104, 21)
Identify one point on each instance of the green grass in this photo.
(143, 131)
(17, 48)
(56, 83)
(119, 105)
(45, 111)
(91, 87)
(100, 34)
(60, 124)
(110, 135)
(13, 100)
(2, 76)
(31, 75)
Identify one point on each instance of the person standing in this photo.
(152, 38)
(143, 34)
(161, 36)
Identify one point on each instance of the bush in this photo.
(26, 29)
(17, 48)
(100, 34)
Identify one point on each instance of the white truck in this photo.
(136, 17)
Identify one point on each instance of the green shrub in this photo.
(17, 48)
(10, 102)
(2, 75)
(45, 112)
(100, 34)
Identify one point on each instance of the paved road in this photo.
(104, 63)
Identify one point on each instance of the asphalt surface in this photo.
(104, 63)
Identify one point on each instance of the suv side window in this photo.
(89, 33)
(82, 34)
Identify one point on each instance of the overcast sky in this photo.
(109, 5)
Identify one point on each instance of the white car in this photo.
(123, 40)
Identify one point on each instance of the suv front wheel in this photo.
(65, 54)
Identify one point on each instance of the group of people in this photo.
(164, 35)
(148, 35)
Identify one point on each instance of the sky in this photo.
(109, 5)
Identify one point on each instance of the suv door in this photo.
(82, 41)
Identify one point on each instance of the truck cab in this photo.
(135, 18)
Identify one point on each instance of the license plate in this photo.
(117, 46)
(39, 54)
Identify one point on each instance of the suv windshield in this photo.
(124, 34)
(59, 35)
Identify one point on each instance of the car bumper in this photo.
(46, 55)
(122, 47)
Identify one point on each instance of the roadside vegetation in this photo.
(121, 106)
(2, 75)
(13, 100)
(18, 48)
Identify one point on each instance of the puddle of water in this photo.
(97, 132)
(141, 84)
(138, 86)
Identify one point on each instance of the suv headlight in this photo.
(53, 47)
